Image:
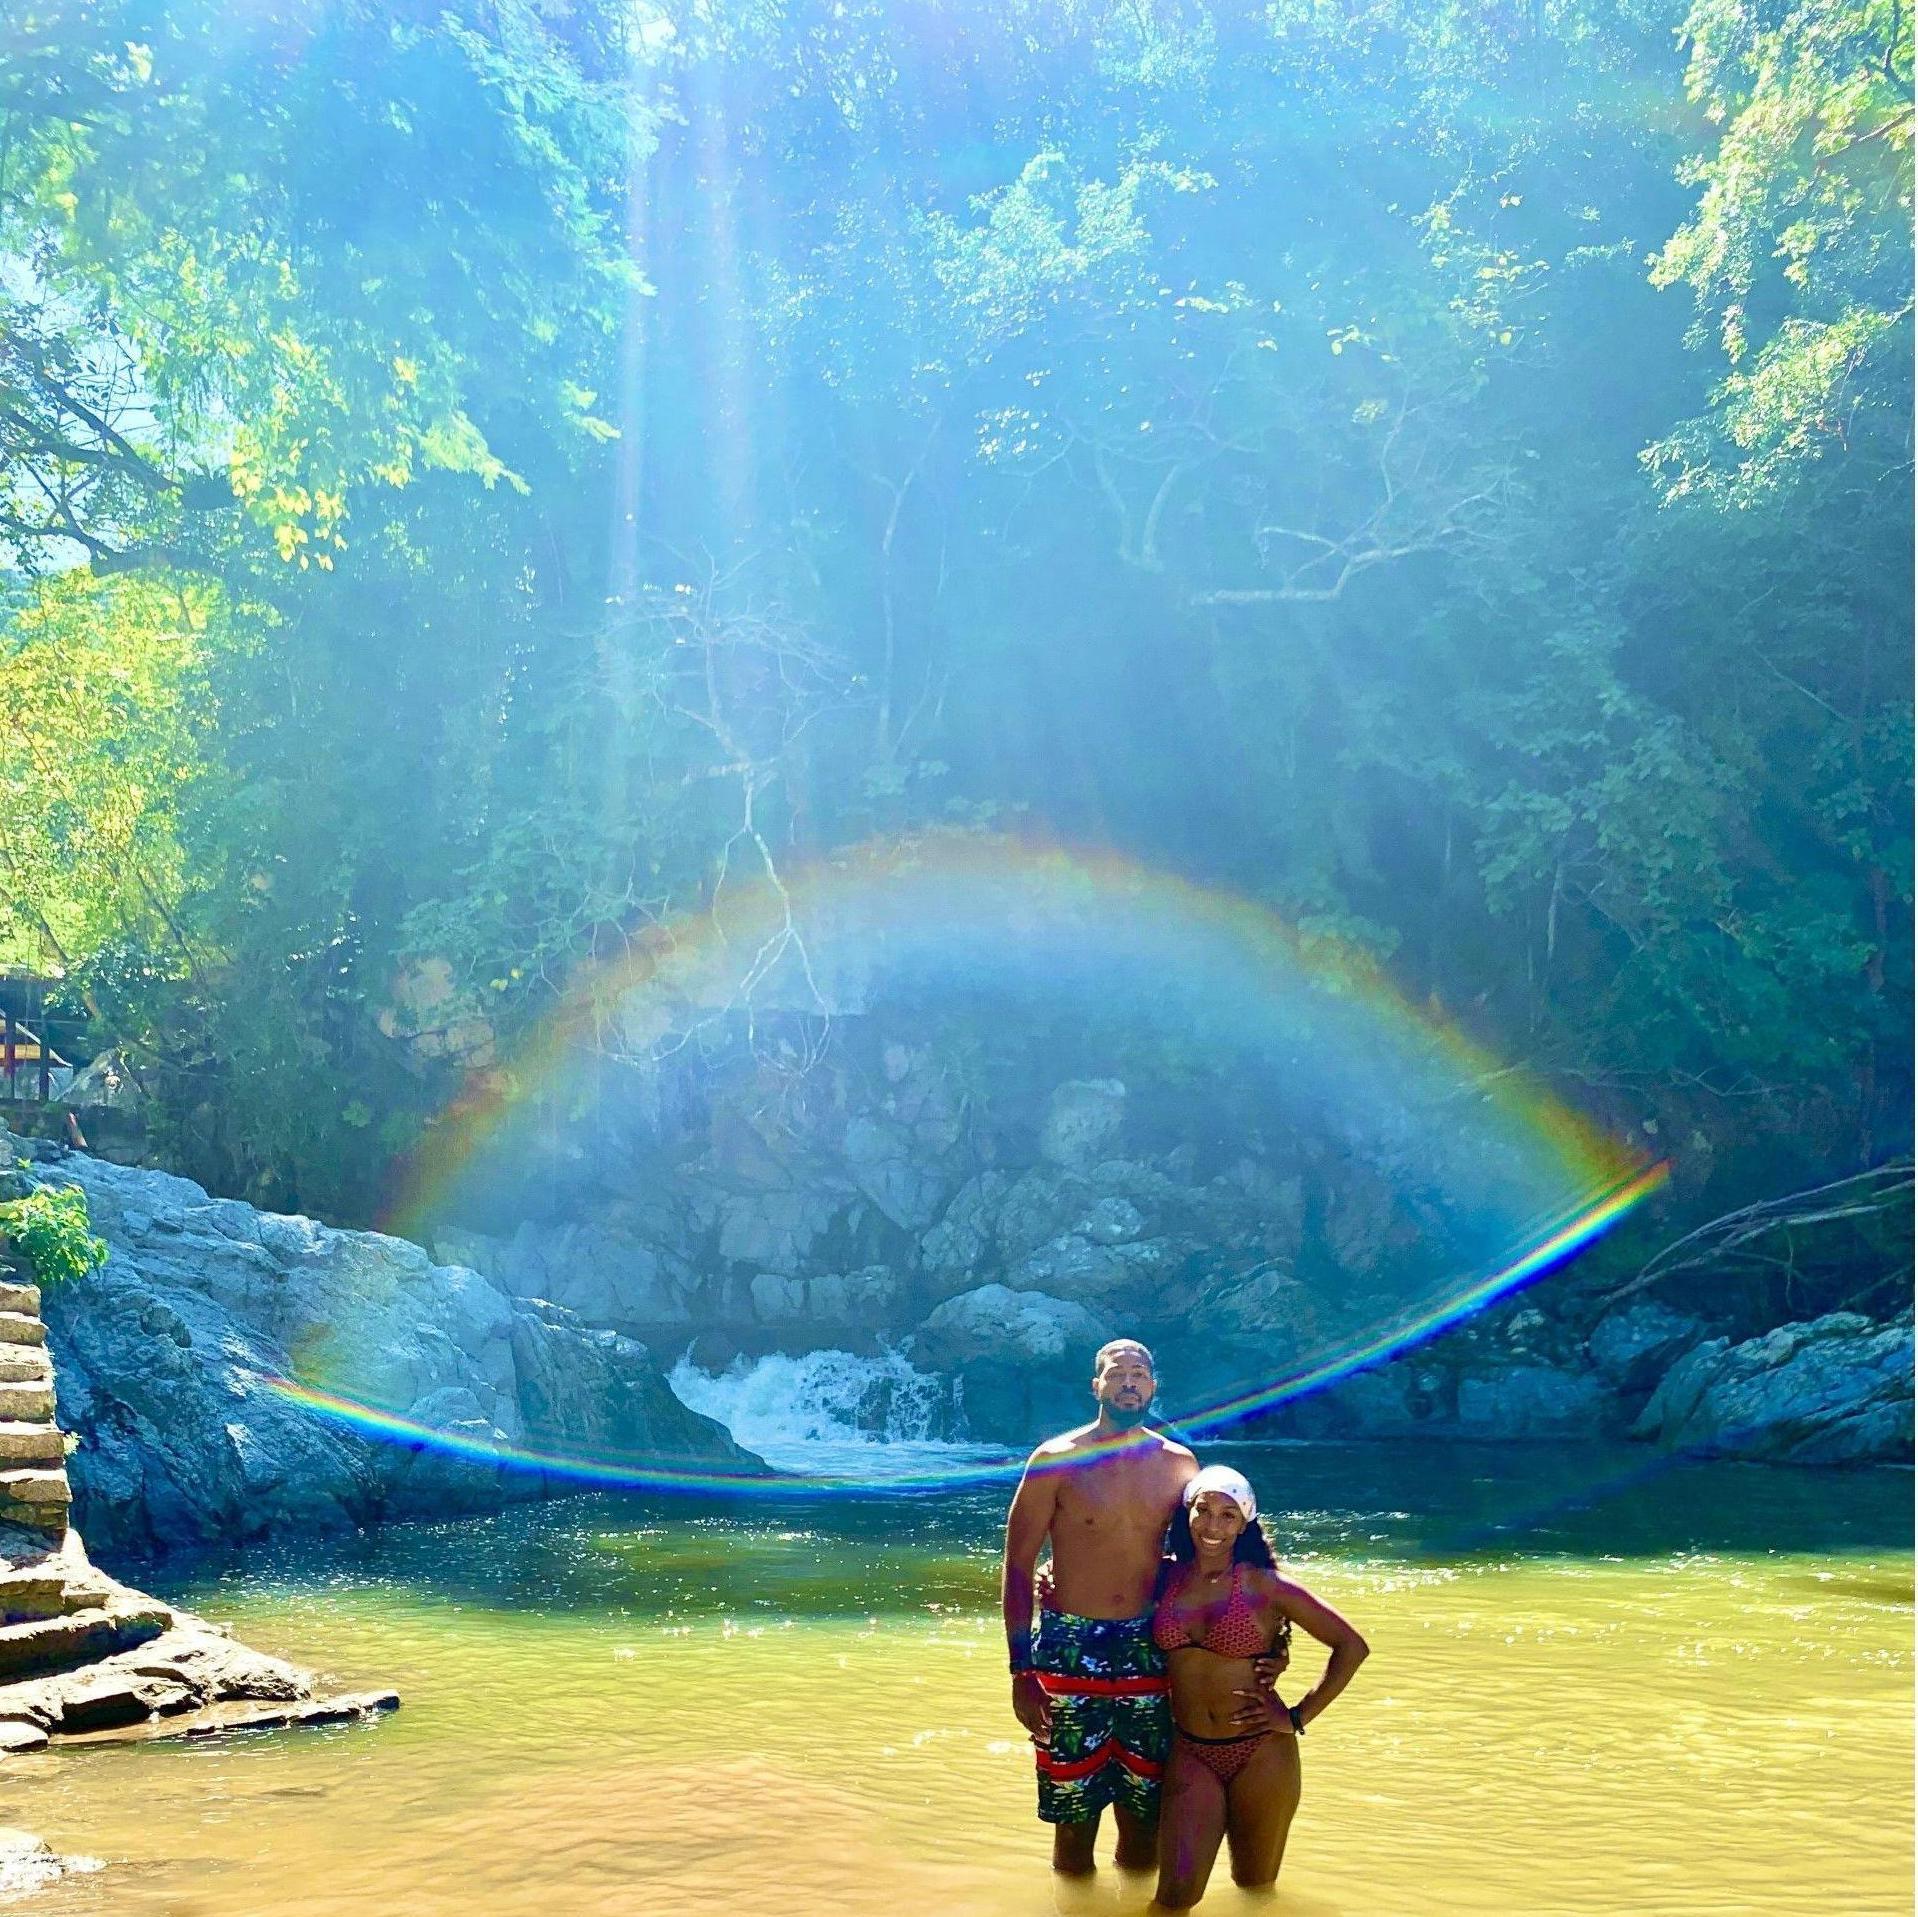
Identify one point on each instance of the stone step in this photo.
(81, 1637)
(28, 1595)
(26, 1401)
(25, 1364)
(32, 1443)
(22, 1328)
(19, 1297)
(35, 1488)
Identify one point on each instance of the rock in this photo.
(1530, 1401)
(589, 1392)
(1634, 1346)
(1127, 1279)
(1082, 1123)
(1394, 1401)
(830, 1302)
(606, 1269)
(965, 1241)
(1836, 1390)
(27, 1865)
(1268, 1299)
(1111, 1221)
(78, 1637)
(776, 1230)
(1020, 1327)
(349, 1707)
(18, 1734)
(166, 1359)
(891, 1164)
(1023, 1360)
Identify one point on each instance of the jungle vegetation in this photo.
(1441, 468)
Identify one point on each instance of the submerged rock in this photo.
(167, 1358)
(1836, 1390)
(27, 1865)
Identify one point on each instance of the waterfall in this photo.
(832, 1412)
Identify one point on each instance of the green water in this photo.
(1595, 1687)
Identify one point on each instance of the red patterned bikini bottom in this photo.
(1224, 1757)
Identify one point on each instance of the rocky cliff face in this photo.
(996, 1234)
(162, 1358)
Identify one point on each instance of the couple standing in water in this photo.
(1149, 1681)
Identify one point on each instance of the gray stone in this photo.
(1025, 1327)
(831, 1301)
(1128, 1279)
(776, 1230)
(889, 1162)
(1835, 1390)
(962, 1244)
(1530, 1401)
(603, 1268)
(1082, 1123)
(166, 1360)
(1111, 1221)
(1633, 1347)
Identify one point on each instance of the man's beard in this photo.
(1128, 1417)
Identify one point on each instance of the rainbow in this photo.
(809, 940)
(994, 901)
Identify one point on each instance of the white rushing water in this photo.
(835, 1414)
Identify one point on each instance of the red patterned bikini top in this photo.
(1237, 1633)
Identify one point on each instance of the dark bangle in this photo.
(1298, 1723)
(1021, 1663)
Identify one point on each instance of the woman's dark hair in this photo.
(1250, 1547)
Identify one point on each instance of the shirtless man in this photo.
(1090, 1689)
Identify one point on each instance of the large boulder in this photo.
(1633, 1347)
(965, 1242)
(1019, 1327)
(1836, 1390)
(602, 1268)
(167, 1361)
(1023, 1360)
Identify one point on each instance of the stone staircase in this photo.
(34, 1494)
(57, 1612)
(81, 1654)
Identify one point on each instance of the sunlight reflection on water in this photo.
(616, 1711)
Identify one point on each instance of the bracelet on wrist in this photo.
(1298, 1722)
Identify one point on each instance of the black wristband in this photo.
(1021, 1663)
(1298, 1723)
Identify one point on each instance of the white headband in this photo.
(1221, 1477)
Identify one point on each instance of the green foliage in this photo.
(1800, 247)
(472, 486)
(50, 1230)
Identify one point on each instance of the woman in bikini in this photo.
(1223, 1603)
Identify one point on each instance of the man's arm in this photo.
(1028, 1524)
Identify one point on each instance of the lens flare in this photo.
(1316, 1016)
(615, 1474)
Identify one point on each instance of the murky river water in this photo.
(1688, 1692)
